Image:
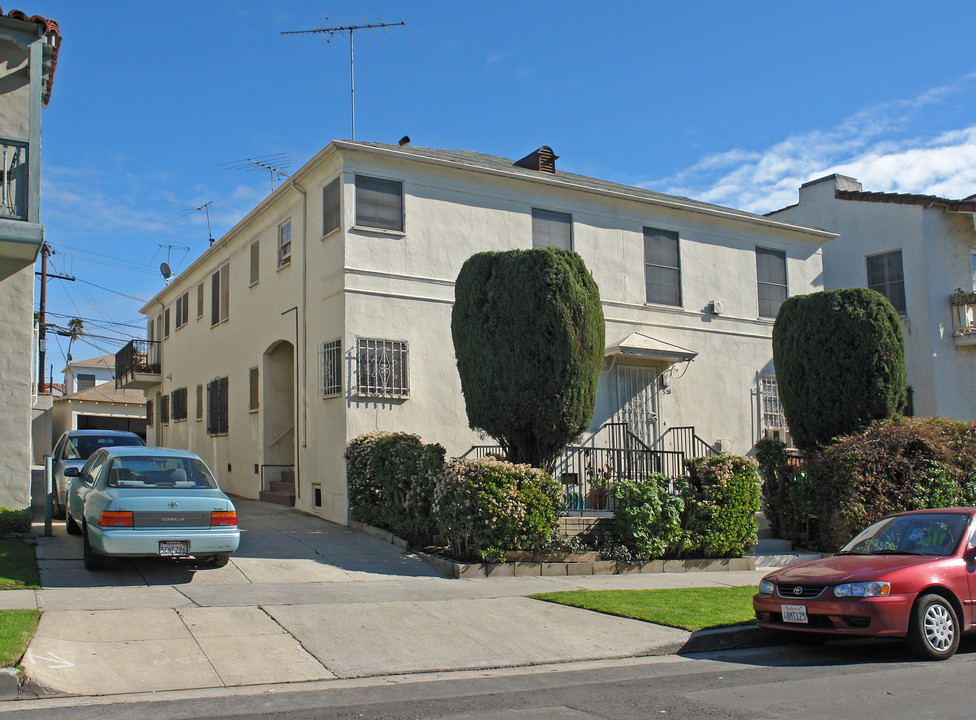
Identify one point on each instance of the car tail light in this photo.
(223, 518)
(109, 518)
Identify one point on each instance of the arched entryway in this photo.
(278, 409)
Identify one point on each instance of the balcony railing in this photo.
(963, 318)
(13, 179)
(137, 365)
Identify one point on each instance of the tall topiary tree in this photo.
(840, 363)
(529, 338)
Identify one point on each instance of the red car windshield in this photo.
(921, 534)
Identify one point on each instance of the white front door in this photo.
(637, 401)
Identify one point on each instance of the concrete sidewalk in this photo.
(307, 600)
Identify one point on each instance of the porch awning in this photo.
(637, 345)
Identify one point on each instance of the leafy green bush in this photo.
(894, 465)
(528, 334)
(790, 498)
(647, 517)
(14, 521)
(391, 481)
(486, 508)
(840, 363)
(721, 500)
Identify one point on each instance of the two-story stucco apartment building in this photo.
(325, 313)
(919, 251)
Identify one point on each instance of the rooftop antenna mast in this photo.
(276, 164)
(335, 28)
(193, 208)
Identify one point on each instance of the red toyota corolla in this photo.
(911, 575)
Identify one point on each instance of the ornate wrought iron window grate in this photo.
(382, 368)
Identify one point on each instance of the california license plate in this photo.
(794, 613)
(174, 548)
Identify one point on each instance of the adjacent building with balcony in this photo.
(919, 251)
(325, 313)
(28, 56)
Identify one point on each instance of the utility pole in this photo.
(41, 339)
(331, 31)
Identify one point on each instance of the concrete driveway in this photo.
(305, 599)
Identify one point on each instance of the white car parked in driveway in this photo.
(150, 502)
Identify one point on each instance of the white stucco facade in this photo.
(936, 240)
(358, 282)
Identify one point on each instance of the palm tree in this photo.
(76, 330)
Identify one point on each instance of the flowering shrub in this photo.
(647, 517)
(391, 481)
(485, 508)
(721, 500)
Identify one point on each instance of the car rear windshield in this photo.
(922, 534)
(82, 446)
(160, 472)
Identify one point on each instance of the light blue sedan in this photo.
(150, 502)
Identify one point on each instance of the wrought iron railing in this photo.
(138, 356)
(13, 178)
(685, 441)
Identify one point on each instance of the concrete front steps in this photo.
(772, 552)
(281, 492)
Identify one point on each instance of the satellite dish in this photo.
(164, 269)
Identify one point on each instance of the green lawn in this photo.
(686, 608)
(18, 568)
(17, 627)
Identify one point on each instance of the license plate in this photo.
(794, 613)
(174, 548)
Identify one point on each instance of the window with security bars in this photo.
(178, 403)
(217, 407)
(381, 368)
(773, 417)
(330, 362)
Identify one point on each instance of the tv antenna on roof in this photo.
(276, 164)
(192, 209)
(164, 268)
(335, 28)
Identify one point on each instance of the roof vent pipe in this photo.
(405, 140)
(542, 160)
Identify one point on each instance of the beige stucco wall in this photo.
(14, 89)
(399, 286)
(16, 323)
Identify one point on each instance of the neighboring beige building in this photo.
(325, 313)
(920, 252)
(28, 55)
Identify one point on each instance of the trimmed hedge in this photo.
(528, 334)
(391, 483)
(647, 517)
(840, 363)
(14, 521)
(485, 508)
(721, 502)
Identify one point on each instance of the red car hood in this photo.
(850, 568)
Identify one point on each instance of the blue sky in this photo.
(731, 103)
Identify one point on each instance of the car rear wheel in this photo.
(93, 560)
(933, 631)
(70, 525)
(219, 560)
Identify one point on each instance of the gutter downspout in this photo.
(301, 367)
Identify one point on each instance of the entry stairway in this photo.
(281, 492)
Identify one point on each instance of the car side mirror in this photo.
(72, 472)
(970, 553)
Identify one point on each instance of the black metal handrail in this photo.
(138, 356)
(686, 441)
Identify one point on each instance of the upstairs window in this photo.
(379, 203)
(382, 369)
(253, 388)
(662, 267)
(220, 295)
(178, 403)
(255, 262)
(771, 276)
(552, 229)
(217, 407)
(330, 207)
(284, 243)
(85, 381)
(182, 310)
(887, 276)
(199, 301)
(165, 323)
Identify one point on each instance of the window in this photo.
(178, 403)
(331, 362)
(85, 381)
(199, 402)
(771, 274)
(284, 243)
(379, 203)
(165, 323)
(252, 382)
(149, 412)
(330, 207)
(220, 295)
(199, 301)
(217, 407)
(773, 418)
(382, 368)
(886, 275)
(164, 409)
(552, 229)
(182, 310)
(662, 268)
(255, 262)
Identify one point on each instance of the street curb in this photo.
(9, 684)
(732, 638)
